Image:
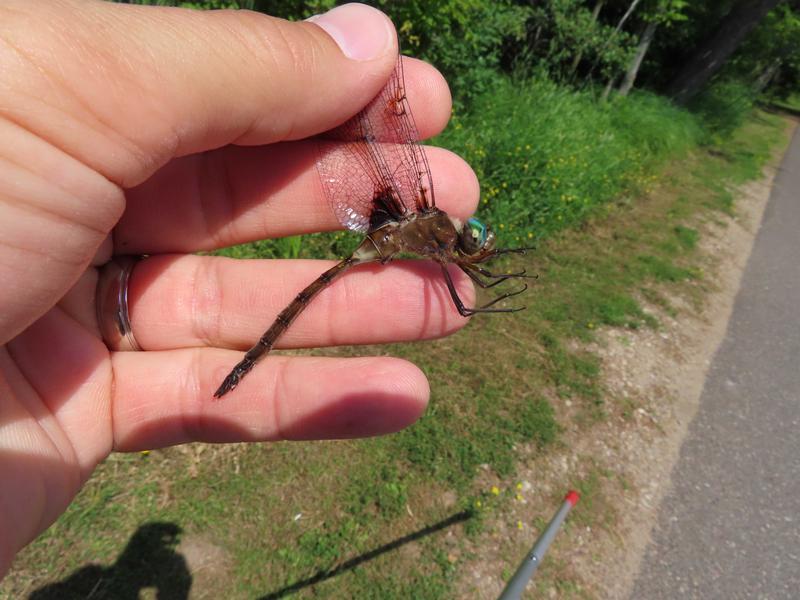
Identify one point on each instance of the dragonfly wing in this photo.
(348, 183)
(378, 171)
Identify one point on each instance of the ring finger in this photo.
(180, 301)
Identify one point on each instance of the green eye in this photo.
(478, 231)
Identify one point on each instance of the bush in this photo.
(723, 107)
(546, 155)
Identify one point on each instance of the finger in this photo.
(185, 301)
(166, 398)
(236, 195)
(123, 89)
(106, 94)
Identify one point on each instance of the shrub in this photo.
(546, 155)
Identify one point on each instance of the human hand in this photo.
(141, 130)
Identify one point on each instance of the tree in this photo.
(579, 55)
(770, 57)
(663, 12)
(711, 56)
(614, 44)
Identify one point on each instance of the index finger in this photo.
(235, 195)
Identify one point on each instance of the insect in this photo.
(377, 181)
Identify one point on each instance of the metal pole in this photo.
(516, 585)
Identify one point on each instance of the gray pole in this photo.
(516, 585)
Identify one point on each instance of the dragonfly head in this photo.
(476, 238)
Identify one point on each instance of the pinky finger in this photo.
(166, 398)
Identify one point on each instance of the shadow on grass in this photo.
(367, 556)
(149, 560)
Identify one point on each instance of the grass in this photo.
(790, 105)
(280, 515)
(547, 156)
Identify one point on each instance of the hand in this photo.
(140, 130)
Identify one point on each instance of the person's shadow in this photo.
(148, 561)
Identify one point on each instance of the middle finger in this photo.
(179, 301)
(235, 195)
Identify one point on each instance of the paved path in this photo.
(730, 526)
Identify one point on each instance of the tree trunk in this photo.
(767, 75)
(636, 63)
(595, 13)
(711, 56)
(618, 28)
(627, 14)
(609, 86)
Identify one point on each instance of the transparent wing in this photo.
(377, 171)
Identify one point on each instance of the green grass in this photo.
(548, 156)
(283, 514)
(791, 105)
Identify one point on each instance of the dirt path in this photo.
(727, 527)
(664, 372)
(659, 375)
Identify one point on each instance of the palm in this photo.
(56, 410)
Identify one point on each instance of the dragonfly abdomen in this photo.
(281, 323)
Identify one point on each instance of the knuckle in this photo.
(206, 301)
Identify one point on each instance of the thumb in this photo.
(126, 88)
(95, 96)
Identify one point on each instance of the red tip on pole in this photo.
(572, 497)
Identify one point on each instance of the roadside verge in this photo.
(652, 379)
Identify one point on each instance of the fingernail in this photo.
(362, 32)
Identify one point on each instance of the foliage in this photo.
(465, 39)
(473, 43)
(564, 34)
(723, 107)
(668, 12)
(774, 43)
(771, 56)
(546, 156)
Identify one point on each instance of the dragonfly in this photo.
(377, 181)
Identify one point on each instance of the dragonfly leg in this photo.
(478, 281)
(490, 255)
(500, 277)
(505, 296)
(467, 312)
(483, 284)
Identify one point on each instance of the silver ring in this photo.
(112, 304)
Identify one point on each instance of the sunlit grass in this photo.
(283, 513)
(547, 156)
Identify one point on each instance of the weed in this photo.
(686, 237)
